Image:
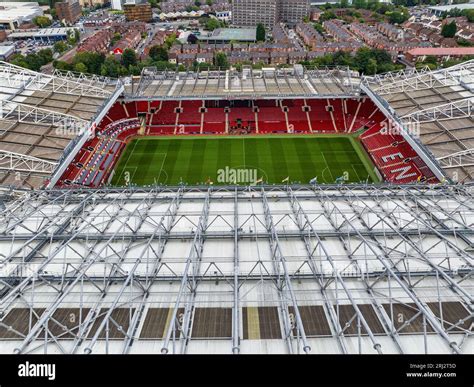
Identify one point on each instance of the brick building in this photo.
(69, 11)
(140, 12)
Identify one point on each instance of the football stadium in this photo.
(262, 211)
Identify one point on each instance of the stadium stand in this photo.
(394, 157)
(396, 161)
(94, 162)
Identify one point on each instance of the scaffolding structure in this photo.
(263, 269)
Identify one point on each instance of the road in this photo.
(151, 32)
(405, 62)
(68, 55)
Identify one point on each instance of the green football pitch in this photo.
(242, 160)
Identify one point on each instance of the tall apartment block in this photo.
(138, 10)
(69, 11)
(294, 11)
(117, 4)
(248, 13)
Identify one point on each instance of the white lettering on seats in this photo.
(403, 173)
(392, 157)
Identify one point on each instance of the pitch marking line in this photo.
(128, 159)
(358, 177)
(327, 166)
(162, 163)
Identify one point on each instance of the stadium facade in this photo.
(315, 268)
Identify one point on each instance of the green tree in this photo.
(61, 65)
(327, 15)
(45, 56)
(397, 17)
(129, 58)
(341, 58)
(60, 47)
(80, 68)
(170, 40)
(465, 43)
(212, 24)
(112, 68)
(372, 4)
(158, 53)
(260, 32)
(18, 60)
(319, 27)
(33, 62)
(115, 38)
(430, 59)
(221, 60)
(359, 4)
(371, 67)
(449, 30)
(92, 60)
(421, 65)
(469, 13)
(42, 21)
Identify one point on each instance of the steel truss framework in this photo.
(398, 82)
(463, 108)
(459, 109)
(247, 84)
(282, 246)
(463, 158)
(395, 76)
(87, 79)
(11, 161)
(20, 112)
(20, 78)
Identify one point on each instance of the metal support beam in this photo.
(287, 294)
(17, 162)
(189, 283)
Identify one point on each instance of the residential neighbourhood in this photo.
(220, 33)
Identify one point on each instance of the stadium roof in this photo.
(437, 108)
(248, 84)
(352, 269)
(41, 116)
